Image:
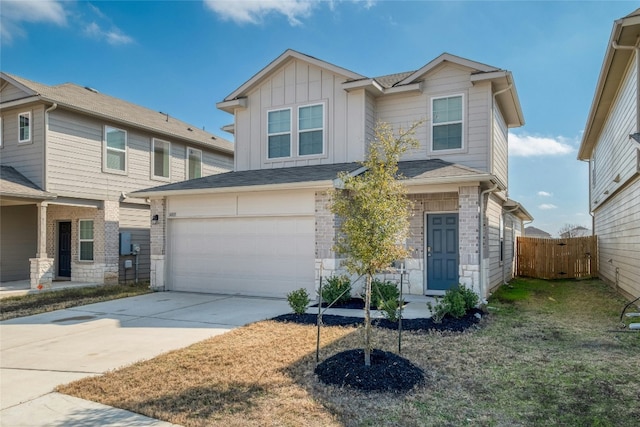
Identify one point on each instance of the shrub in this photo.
(337, 289)
(382, 292)
(456, 302)
(298, 300)
(391, 309)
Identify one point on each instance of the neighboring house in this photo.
(611, 145)
(266, 228)
(70, 156)
(532, 231)
(578, 231)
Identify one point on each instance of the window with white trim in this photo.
(311, 130)
(279, 133)
(194, 163)
(161, 156)
(447, 123)
(24, 124)
(115, 149)
(85, 238)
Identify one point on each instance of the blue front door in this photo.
(442, 251)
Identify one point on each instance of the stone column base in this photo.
(41, 272)
(157, 273)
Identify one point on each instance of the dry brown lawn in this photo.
(546, 356)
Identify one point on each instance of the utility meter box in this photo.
(128, 264)
(125, 243)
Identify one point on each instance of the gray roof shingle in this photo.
(14, 184)
(95, 103)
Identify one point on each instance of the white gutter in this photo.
(44, 144)
(18, 102)
(481, 242)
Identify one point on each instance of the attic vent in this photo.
(90, 89)
(213, 137)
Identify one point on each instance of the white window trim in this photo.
(105, 148)
(290, 133)
(463, 121)
(24, 141)
(187, 167)
(153, 158)
(323, 129)
(81, 240)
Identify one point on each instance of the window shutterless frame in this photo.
(311, 130)
(194, 163)
(24, 127)
(448, 123)
(85, 240)
(161, 160)
(114, 151)
(279, 131)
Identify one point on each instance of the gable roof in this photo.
(91, 102)
(15, 185)
(416, 172)
(532, 231)
(447, 57)
(624, 37)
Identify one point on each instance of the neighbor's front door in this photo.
(64, 249)
(441, 251)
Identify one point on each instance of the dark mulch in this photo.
(388, 372)
(449, 323)
(352, 303)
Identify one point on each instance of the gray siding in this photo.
(11, 93)
(500, 160)
(135, 219)
(18, 242)
(617, 225)
(492, 245)
(26, 157)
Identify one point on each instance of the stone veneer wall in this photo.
(158, 242)
(468, 236)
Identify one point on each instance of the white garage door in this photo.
(268, 256)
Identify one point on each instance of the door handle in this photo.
(428, 250)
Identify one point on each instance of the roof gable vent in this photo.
(90, 89)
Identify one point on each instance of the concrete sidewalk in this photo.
(39, 352)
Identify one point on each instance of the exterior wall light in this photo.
(154, 219)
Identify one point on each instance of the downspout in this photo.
(504, 214)
(44, 144)
(481, 240)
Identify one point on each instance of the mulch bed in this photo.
(388, 372)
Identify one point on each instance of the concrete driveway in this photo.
(40, 352)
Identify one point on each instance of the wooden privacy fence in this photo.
(572, 258)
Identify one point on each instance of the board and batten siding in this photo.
(75, 159)
(135, 219)
(295, 84)
(617, 225)
(402, 110)
(25, 157)
(19, 241)
(500, 160)
(615, 154)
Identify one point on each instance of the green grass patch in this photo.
(42, 302)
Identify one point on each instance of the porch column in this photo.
(42, 270)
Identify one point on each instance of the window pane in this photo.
(447, 137)
(25, 129)
(311, 117)
(279, 146)
(279, 121)
(161, 159)
(447, 109)
(195, 164)
(116, 139)
(86, 230)
(86, 251)
(310, 143)
(115, 160)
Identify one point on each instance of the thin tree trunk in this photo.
(367, 323)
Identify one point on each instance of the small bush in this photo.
(391, 309)
(456, 302)
(382, 292)
(298, 300)
(337, 289)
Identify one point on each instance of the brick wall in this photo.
(469, 233)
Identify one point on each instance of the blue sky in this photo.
(181, 57)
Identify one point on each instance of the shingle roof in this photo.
(92, 102)
(412, 170)
(14, 184)
(390, 80)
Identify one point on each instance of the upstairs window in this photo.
(447, 124)
(311, 130)
(115, 152)
(194, 163)
(24, 123)
(161, 156)
(279, 133)
(86, 240)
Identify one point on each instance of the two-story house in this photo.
(611, 145)
(70, 157)
(266, 228)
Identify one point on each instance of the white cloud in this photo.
(528, 145)
(254, 11)
(113, 36)
(544, 194)
(16, 13)
(547, 206)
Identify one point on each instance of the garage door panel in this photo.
(252, 256)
